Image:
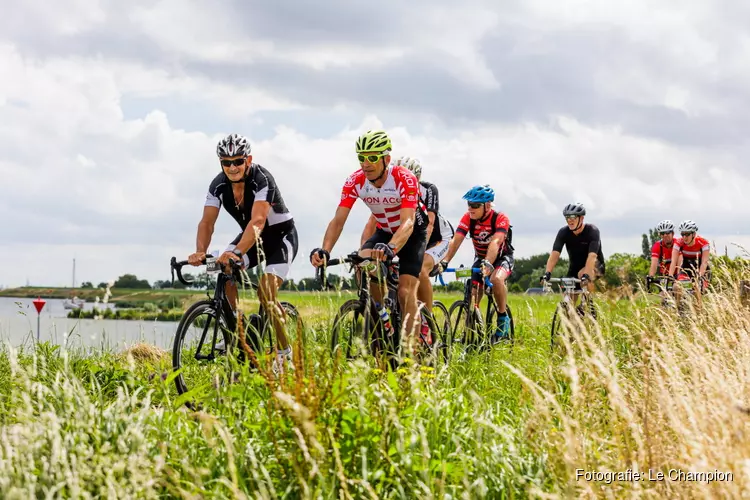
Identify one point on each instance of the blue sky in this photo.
(109, 116)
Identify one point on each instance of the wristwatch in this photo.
(392, 247)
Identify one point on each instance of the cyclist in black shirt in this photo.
(584, 247)
(248, 192)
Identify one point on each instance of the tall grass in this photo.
(642, 390)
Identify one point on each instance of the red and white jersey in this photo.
(400, 190)
(694, 250)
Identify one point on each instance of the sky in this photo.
(110, 113)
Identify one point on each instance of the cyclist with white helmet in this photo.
(491, 233)
(249, 193)
(584, 246)
(439, 233)
(694, 252)
(661, 251)
(391, 192)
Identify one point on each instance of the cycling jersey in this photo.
(400, 190)
(664, 254)
(259, 186)
(441, 229)
(691, 254)
(579, 247)
(483, 231)
(278, 243)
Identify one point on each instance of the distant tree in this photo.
(102, 285)
(131, 281)
(87, 284)
(647, 241)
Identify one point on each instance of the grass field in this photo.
(642, 391)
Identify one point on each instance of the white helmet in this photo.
(688, 226)
(665, 226)
(233, 145)
(413, 164)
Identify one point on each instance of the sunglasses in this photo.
(571, 217)
(371, 158)
(687, 234)
(236, 162)
(476, 205)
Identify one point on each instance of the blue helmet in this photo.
(480, 194)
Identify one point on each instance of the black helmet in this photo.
(574, 209)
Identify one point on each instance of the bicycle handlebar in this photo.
(176, 267)
(487, 281)
(353, 258)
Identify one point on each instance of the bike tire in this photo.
(491, 321)
(352, 306)
(190, 315)
(444, 340)
(556, 327)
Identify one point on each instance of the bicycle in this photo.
(568, 287)
(476, 326)
(665, 287)
(258, 326)
(368, 328)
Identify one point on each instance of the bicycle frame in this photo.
(220, 301)
(470, 285)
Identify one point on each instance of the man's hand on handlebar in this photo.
(197, 258)
(545, 277)
(318, 257)
(381, 251)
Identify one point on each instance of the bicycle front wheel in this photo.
(349, 336)
(200, 345)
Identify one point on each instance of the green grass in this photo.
(641, 391)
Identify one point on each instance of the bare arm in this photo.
(552, 261)
(453, 246)
(206, 228)
(369, 229)
(333, 232)
(590, 263)
(704, 262)
(257, 221)
(494, 246)
(654, 265)
(404, 229)
(673, 264)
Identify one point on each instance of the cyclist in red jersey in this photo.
(489, 230)
(693, 250)
(392, 194)
(661, 251)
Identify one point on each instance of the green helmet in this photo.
(374, 140)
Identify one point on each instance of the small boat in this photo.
(74, 303)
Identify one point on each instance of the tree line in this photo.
(621, 269)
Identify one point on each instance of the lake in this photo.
(18, 320)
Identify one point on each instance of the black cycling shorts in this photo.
(277, 250)
(505, 261)
(410, 257)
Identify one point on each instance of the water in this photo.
(18, 319)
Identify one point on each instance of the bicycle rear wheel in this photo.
(467, 326)
(200, 329)
(492, 322)
(442, 337)
(293, 328)
(349, 336)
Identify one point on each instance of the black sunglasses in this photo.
(687, 234)
(476, 205)
(236, 162)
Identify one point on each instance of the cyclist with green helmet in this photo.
(491, 233)
(439, 234)
(392, 194)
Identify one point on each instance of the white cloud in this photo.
(124, 195)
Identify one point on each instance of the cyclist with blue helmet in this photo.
(491, 233)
